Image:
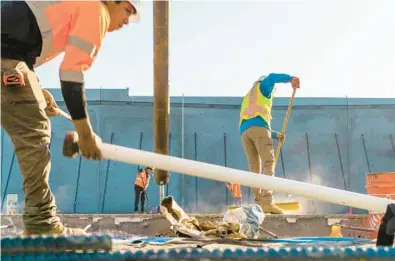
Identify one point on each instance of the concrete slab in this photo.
(152, 225)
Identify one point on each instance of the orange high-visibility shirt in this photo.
(76, 28)
(235, 189)
(142, 179)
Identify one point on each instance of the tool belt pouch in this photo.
(13, 78)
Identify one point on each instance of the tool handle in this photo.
(285, 124)
(64, 114)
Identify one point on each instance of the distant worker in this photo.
(256, 134)
(235, 189)
(33, 33)
(140, 188)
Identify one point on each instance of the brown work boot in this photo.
(264, 199)
(272, 209)
(58, 229)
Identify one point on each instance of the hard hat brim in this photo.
(134, 17)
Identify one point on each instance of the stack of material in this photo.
(238, 223)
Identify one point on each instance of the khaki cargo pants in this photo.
(25, 121)
(258, 146)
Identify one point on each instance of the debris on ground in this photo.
(238, 223)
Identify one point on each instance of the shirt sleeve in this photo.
(267, 85)
(88, 27)
(274, 135)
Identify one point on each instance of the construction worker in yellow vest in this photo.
(256, 134)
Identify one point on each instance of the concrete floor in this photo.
(152, 225)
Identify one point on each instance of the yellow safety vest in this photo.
(255, 104)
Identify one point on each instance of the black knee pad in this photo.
(386, 232)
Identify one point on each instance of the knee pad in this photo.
(386, 232)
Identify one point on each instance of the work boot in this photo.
(264, 199)
(58, 229)
(272, 209)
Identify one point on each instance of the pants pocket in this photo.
(30, 93)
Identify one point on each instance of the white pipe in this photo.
(245, 178)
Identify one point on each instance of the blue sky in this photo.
(218, 48)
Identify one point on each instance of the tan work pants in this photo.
(25, 121)
(258, 146)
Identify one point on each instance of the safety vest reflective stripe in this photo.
(71, 76)
(76, 28)
(255, 104)
(252, 110)
(142, 180)
(84, 45)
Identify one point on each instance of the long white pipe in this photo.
(245, 178)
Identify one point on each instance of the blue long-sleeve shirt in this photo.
(266, 87)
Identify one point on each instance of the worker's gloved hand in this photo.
(295, 82)
(52, 108)
(88, 141)
(281, 137)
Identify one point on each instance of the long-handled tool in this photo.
(64, 114)
(146, 197)
(224, 174)
(291, 101)
(294, 205)
(150, 210)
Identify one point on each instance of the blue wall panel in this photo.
(362, 127)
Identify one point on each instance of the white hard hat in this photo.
(136, 4)
(261, 78)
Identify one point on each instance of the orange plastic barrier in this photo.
(379, 185)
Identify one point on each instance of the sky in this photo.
(337, 48)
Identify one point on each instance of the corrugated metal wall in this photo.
(327, 139)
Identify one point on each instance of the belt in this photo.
(29, 61)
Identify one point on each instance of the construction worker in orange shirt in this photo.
(256, 134)
(236, 193)
(33, 33)
(140, 188)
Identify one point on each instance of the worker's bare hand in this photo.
(52, 108)
(295, 82)
(281, 137)
(88, 141)
(89, 147)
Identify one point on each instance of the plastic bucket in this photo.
(381, 185)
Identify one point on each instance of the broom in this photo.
(290, 205)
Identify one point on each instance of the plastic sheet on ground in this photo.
(139, 240)
(238, 223)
